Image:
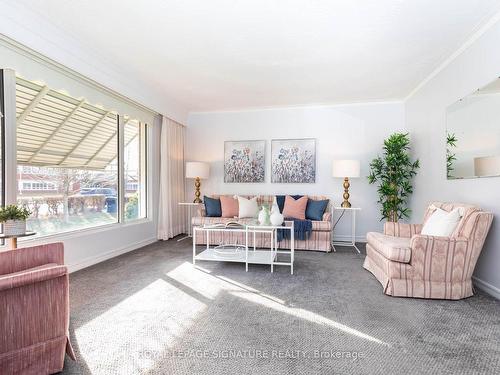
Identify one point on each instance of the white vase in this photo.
(276, 218)
(264, 216)
(14, 227)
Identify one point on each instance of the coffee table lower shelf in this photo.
(254, 257)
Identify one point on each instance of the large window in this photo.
(67, 156)
(135, 167)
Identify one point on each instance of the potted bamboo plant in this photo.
(394, 172)
(14, 219)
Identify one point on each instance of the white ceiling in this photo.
(230, 54)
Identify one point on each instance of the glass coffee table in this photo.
(234, 244)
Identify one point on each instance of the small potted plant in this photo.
(14, 219)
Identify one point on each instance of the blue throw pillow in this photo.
(316, 209)
(212, 207)
(280, 201)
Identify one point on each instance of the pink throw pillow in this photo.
(229, 206)
(295, 209)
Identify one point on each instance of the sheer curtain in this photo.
(171, 216)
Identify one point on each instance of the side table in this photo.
(189, 206)
(13, 238)
(352, 242)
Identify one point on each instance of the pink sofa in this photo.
(34, 310)
(320, 239)
(409, 264)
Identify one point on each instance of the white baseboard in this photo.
(90, 261)
(341, 237)
(487, 287)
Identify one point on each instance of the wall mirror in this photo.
(473, 134)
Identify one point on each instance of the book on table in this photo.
(228, 225)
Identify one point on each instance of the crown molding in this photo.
(473, 38)
(298, 106)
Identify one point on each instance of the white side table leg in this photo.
(333, 229)
(194, 247)
(272, 251)
(292, 255)
(246, 250)
(353, 232)
(190, 219)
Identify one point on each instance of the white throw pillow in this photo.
(442, 223)
(247, 207)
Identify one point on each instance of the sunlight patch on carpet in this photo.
(306, 315)
(149, 320)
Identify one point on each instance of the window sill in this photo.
(56, 237)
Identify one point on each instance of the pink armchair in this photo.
(34, 310)
(409, 264)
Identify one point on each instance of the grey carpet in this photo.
(151, 312)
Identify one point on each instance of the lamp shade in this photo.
(196, 169)
(346, 168)
(487, 166)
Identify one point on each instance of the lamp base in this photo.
(197, 185)
(346, 203)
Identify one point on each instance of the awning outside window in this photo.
(56, 130)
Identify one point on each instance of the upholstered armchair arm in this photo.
(32, 276)
(29, 257)
(327, 216)
(401, 229)
(438, 258)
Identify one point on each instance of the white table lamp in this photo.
(346, 169)
(197, 170)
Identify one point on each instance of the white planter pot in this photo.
(14, 227)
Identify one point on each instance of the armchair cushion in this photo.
(393, 248)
